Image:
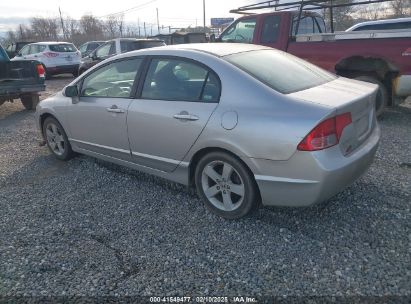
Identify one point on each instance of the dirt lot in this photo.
(85, 227)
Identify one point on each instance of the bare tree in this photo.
(372, 11)
(45, 28)
(91, 27)
(114, 26)
(401, 8)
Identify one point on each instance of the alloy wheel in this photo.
(55, 139)
(222, 185)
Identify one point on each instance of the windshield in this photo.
(62, 48)
(282, 72)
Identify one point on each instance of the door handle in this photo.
(185, 116)
(115, 109)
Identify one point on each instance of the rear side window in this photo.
(240, 31)
(175, 79)
(271, 28)
(306, 26)
(62, 48)
(282, 72)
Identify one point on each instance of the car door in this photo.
(176, 100)
(97, 119)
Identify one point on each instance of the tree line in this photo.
(89, 27)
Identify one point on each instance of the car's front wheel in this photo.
(56, 139)
(226, 185)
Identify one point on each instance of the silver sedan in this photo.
(243, 124)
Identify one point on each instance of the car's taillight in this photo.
(407, 52)
(41, 71)
(326, 134)
(50, 54)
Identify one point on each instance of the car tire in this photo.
(56, 139)
(216, 176)
(30, 102)
(382, 95)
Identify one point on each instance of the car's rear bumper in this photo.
(62, 69)
(402, 86)
(312, 177)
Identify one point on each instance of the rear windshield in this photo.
(62, 48)
(127, 46)
(282, 72)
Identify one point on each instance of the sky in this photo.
(175, 13)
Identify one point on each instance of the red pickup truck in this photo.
(382, 57)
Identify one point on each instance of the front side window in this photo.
(113, 80)
(175, 79)
(271, 27)
(34, 49)
(282, 72)
(241, 31)
(103, 51)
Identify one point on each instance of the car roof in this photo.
(135, 39)
(51, 42)
(384, 21)
(216, 49)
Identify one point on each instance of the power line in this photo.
(129, 9)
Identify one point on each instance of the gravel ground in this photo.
(88, 228)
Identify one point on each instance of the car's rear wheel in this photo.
(382, 94)
(56, 139)
(226, 185)
(30, 102)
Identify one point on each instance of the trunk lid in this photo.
(347, 96)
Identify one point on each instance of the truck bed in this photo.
(17, 77)
(354, 35)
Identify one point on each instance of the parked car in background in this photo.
(380, 25)
(13, 48)
(115, 47)
(88, 47)
(56, 57)
(243, 123)
(20, 80)
(382, 57)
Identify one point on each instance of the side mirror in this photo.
(71, 91)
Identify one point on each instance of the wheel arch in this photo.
(204, 151)
(370, 64)
(373, 66)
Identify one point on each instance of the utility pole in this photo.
(62, 24)
(138, 23)
(151, 26)
(145, 31)
(158, 22)
(204, 16)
